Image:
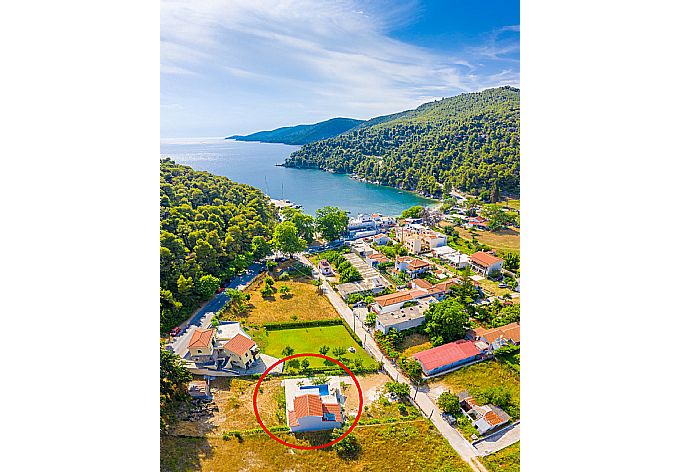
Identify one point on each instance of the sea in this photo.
(254, 163)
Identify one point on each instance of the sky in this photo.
(240, 66)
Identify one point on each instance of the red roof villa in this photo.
(447, 356)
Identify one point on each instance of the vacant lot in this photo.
(414, 343)
(309, 340)
(491, 288)
(478, 377)
(402, 446)
(505, 460)
(234, 400)
(507, 239)
(302, 302)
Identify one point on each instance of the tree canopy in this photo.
(210, 229)
(286, 239)
(470, 142)
(447, 321)
(331, 222)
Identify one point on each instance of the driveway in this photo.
(498, 440)
(202, 317)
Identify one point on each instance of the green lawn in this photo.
(505, 460)
(309, 340)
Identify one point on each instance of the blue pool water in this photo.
(323, 388)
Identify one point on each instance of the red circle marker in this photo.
(296, 446)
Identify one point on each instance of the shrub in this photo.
(449, 403)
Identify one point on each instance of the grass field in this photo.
(414, 343)
(477, 377)
(492, 288)
(303, 302)
(413, 446)
(507, 239)
(235, 412)
(309, 340)
(505, 460)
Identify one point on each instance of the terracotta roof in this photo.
(201, 338)
(418, 264)
(404, 259)
(447, 284)
(334, 409)
(509, 331)
(492, 418)
(446, 354)
(484, 259)
(512, 331)
(378, 257)
(380, 236)
(399, 297)
(239, 344)
(308, 404)
(421, 283)
(292, 419)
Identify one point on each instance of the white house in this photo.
(411, 265)
(381, 239)
(485, 263)
(395, 301)
(404, 318)
(458, 260)
(312, 407)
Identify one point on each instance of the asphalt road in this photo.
(202, 318)
(425, 403)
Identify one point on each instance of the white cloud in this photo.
(307, 50)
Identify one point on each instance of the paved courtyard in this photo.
(365, 269)
(499, 440)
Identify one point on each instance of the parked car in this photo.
(220, 289)
(502, 285)
(450, 419)
(175, 331)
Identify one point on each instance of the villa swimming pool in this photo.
(323, 388)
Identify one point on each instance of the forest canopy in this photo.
(210, 229)
(470, 142)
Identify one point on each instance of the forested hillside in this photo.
(211, 228)
(470, 142)
(302, 134)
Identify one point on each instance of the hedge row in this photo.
(301, 324)
(352, 333)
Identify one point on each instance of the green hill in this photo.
(302, 134)
(469, 142)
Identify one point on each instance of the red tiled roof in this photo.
(447, 284)
(378, 257)
(421, 283)
(399, 297)
(308, 404)
(334, 409)
(239, 344)
(404, 259)
(484, 259)
(509, 331)
(292, 419)
(446, 354)
(418, 264)
(492, 418)
(201, 338)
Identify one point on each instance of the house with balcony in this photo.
(312, 407)
(411, 266)
(485, 263)
(228, 345)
